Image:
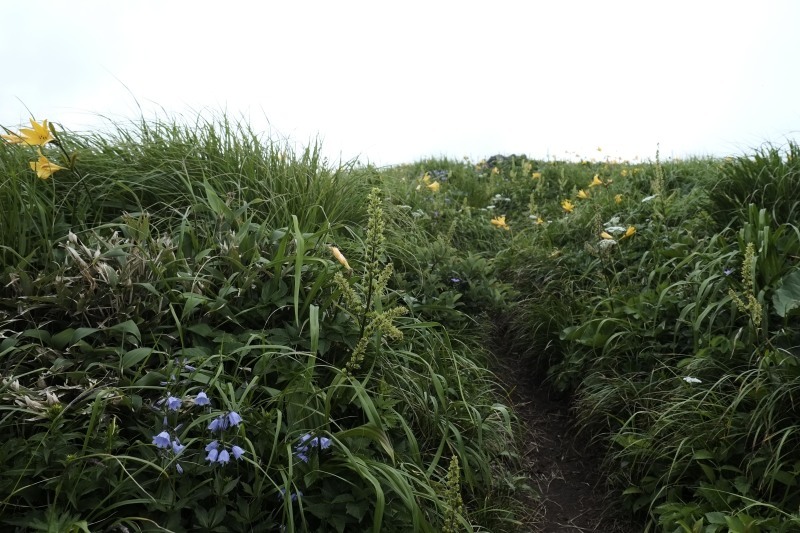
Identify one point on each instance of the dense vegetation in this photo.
(200, 329)
(664, 298)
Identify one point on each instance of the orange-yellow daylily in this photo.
(606, 235)
(44, 168)
(340, 257)
(629, 232)
(567, 206)
(596, 181)
(36, 135)
(583, 195)
(500, 222)
(434, 186)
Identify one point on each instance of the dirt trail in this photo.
(562, 467)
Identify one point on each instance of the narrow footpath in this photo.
(561, 464)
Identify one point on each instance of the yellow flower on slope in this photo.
(618, 198)
(43, 167)
(500, 222)
(596, 181)
(583, 195)
(37, 135)
(536, 175)
(567, 206)
(434, 186)
(340, 257)
(629, 232)
(606, 235)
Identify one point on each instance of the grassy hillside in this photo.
(664, 298)
(200, 329)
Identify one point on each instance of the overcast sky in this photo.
(392, 82)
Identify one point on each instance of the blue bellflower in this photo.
(162, 440)
(173, 403)
(303, 449)
(224, 457)
(202, 399)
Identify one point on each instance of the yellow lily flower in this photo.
(426, 178)
(624, 172)
(536, 175)
(434, 186)
(44, 168)
(495, 170)
(37, 135)
(500, 222)
(618, 198)
(539, 221)
(606, 236)
(596, 181)
(567, 206)
(629, 232)
(340, 257)
(583, 195)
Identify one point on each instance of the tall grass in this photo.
(170, 263)
(677, 342)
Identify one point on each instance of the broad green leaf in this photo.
(128, 327)
(204, 330)
(702, 454)
(70, 336)
(715, 518)
(787, 296)
(135, 356)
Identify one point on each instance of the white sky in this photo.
(392, 82)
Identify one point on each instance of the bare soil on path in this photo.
(562, 465)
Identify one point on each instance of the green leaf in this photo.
(734, 525)
(204, 330)
(300, 252)
(216, 204)
(135, 356)
(371, 432)
(787, 296)
(192, 301)
(357, 510)
(128, 327)
(40, 334)
(702, 454)
(70, 336)
(313, 317)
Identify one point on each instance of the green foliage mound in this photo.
(662, 296)
(677, 338)
(200, 330)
